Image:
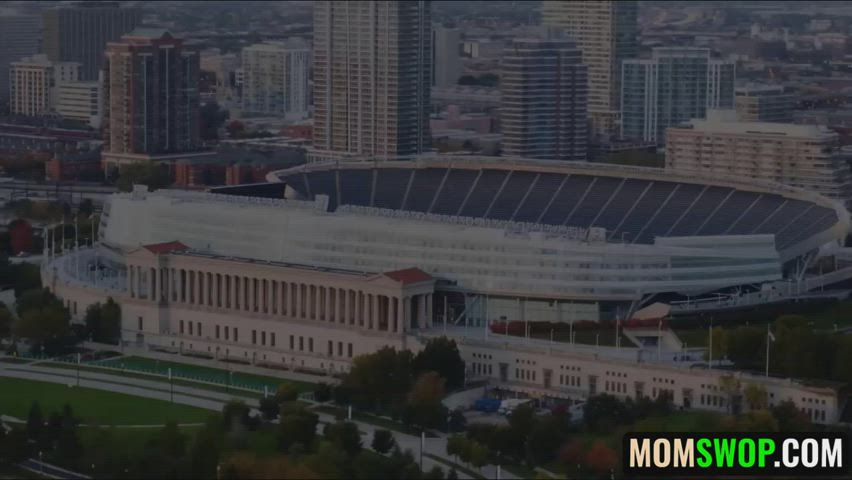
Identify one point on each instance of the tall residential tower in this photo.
(79, 32)
(605, 31)
(152, 100)
(543, 100)
(275, 78)
(676, 85)
(19, 38)
(372, 77)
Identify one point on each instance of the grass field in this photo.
(204, 373)
(92, 406)
(14, 360)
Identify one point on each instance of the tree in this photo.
(790, 418)
(383, 441)
(297, 428)
(600, 458)
(154, 175)
(424, 400)
(441, 355)
(379, 379)
(235, 416)
(322, 392)
(212, 117)
(457, 446)
(205, 448)
(86, 207)
(730, 386)
(171, 441)
(35, 422)
(436, 473)
(6, 321)
(46, 327)
(544, 440)
(478, 454)
(572, 453)
(269, 408)
(603, 412)
(344, 436)
(756, 396)
(287, 393)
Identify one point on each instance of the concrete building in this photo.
(79, 32)
(673, 86)
(33, 84)
(20, 36)
(543, 100)
(275, 79)
(372, 63)
(81, 101)
(804, 156)
(763, 103)
(606, 32)
(446, 56)
(224, 67)
(151, 97)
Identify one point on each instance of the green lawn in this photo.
(90, 405)
(373, 420)
(459, 468)
(14, 360)
(154, 378)
(204, 373)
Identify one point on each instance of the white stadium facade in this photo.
(331, 260)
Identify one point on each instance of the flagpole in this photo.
(768, 338)
(710, 354)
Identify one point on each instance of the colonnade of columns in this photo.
(298, 300)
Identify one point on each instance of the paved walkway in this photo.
(212, 400)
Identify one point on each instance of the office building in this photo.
(33, 83)
(543, 100)
(372, 63)
(673, 86)
(804, 156)
(80, 101)
(20, 36)
(606, 32)
(151, 97)
(275, 78)
(446, 56)
(763, 103)
(79, 32)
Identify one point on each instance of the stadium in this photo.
(327, 261)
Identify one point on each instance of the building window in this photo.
(227, 333)
(254, 337)
(311, 344)
(236, 335)
(330, 348)
(181, 327)
(291, 342)
(190, 326)
(140, 323)
(217, 332)
(349, 350)
(263, 338)
(272, 339)
(339, 349)
(301, 344)
(198, 328)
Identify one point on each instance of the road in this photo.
(50, 471)
(212, 400)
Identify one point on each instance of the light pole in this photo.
(40, 462)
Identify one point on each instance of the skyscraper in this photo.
(34, 83)
(151, 97)
(19, 38)
(79, 32)
(446, 56)
(275, 78)
(372, 78)
(674, 86)
(605, 31)
(543, 100)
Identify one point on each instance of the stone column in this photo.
(406, 313)
(329, 312)
(299, 300)
(389, 315)
(429, 312)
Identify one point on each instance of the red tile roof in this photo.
(166, 247)
(409, 275)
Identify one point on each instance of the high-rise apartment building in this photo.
(605, 31)
(763, 103)
(446, 56)
(80, 101)
(33, 83)
(79, 32)
(372, 78)
(543, 100)
(674, 86)
(806, 156)
(151, 97)
(275, 78)
(20, 36)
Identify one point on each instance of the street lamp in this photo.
(40, 462)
